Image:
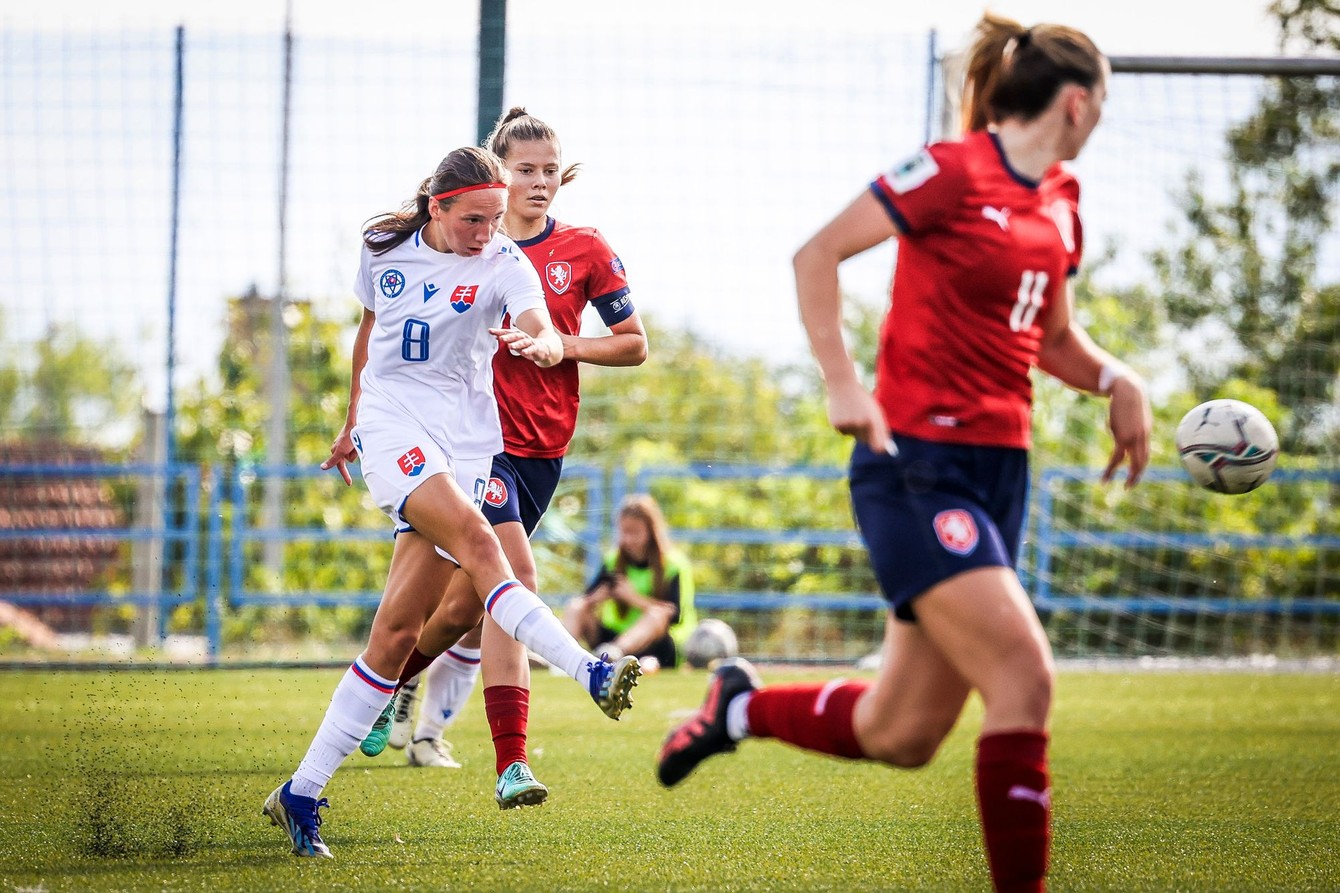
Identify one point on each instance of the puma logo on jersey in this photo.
(428, 291)
(999, 216)
(1041, 798)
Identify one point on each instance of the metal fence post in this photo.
(147, 561)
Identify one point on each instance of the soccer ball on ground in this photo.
(1228, 446)
(710, 640)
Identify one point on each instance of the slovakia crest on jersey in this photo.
(463, 297)
(412, 463)
(957, 531)
(559, 275)
(495, 494)
(392, 284)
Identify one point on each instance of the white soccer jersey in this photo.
(430, 353)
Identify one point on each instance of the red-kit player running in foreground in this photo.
(988, 232)
(539, 414)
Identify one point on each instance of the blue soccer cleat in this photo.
(611, 684)
(518, 787)
(300, 819)
(375, 742)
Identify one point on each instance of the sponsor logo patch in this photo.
(558, 274)
(463, 297)
(495, 494)
(1065, 223)
(616, 265)
(392, 284)
(913, 172)
(412, 462)
(957, 531)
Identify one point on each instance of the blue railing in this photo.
(242, 533)
(1048, 542)
(224, 544)
(180, 528)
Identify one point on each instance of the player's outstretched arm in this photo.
(1130, 420)
(342, 450)
(625, 345)
(533, 337)
(1070, 355)
(861, 225)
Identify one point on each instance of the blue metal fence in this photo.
(1048, 541)
(179, 488)
(207, 560)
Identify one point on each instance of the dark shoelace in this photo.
(308, 818)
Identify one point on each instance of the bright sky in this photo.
(1129, 27)
(682, 135)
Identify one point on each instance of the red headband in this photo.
(450, 192)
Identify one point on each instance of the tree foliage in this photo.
(222, 425)
(1242, 289)
(68, 388)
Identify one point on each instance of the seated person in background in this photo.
(641, 602)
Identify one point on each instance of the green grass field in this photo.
(1162, 782)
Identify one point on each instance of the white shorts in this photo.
(397, 457)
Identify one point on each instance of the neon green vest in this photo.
(641, 579)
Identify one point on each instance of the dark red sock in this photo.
(415, 664)
(1014, 795)
(813, 716)
(507, 708)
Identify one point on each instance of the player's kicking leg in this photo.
(375, 741)
(705, 733)
(402, 726)
(300, 818)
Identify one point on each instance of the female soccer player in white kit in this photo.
(435, 280)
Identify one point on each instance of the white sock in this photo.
(359, 699)
(450, 679)
(737, 716)
(525, 618)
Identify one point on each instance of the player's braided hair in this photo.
(1015, 71)
(468, 166)
(519, 126)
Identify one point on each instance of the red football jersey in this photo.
(538, 407)
(984, 254)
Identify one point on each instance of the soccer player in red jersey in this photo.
(577, 268)
(988, 233)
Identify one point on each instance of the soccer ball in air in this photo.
(710, 640)
(1227, 445)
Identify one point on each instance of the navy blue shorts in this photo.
(520, 489)
(936, 510)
